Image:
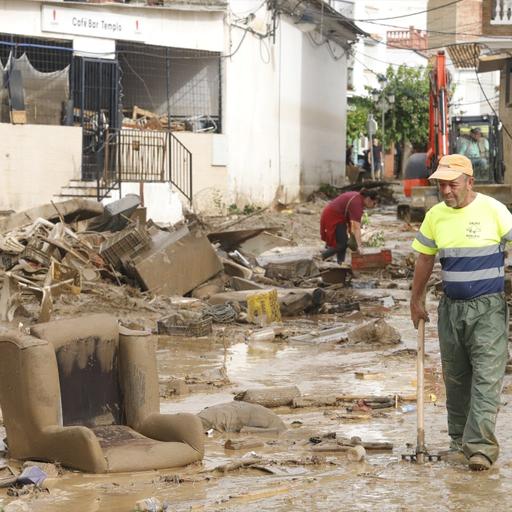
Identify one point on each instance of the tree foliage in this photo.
(358, 109)
(408, 118)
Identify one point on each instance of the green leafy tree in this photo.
(358, 109)
(408, 118)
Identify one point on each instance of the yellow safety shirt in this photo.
(470, 242)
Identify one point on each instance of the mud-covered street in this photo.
(285, 471)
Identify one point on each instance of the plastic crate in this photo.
(176, 325)
(263, 308)
(372, 260)
(122, 244)
(33, 252)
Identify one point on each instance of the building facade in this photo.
(204, 101)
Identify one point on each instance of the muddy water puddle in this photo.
(381, 482)
(308, 481)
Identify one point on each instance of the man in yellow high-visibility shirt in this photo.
(468, 231)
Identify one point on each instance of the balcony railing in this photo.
(501, 12)
(412, 39)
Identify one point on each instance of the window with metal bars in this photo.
(34, 85)
(171, 88)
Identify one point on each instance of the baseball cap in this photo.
(450, 167)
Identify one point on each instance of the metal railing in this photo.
(151, 156)
(181, 167)
(501, 13)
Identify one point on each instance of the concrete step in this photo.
(78, 191)
(67, 196)
(86, 184)
(80, 183)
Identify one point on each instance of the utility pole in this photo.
(371, 126)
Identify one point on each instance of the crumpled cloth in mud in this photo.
(378, 331)
(233, 416)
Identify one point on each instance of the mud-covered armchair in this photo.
(78, 392)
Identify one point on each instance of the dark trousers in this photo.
(341, 244)
(473, 341)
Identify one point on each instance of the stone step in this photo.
(86, 184)
(62, 197)
(76, 192)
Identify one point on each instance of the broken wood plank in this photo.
(330, 447)
(311, 401)
(243, 444)
(141, 112)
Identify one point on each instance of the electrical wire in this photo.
(314, 41)
(455, 104)
(341, 17)
(492, 107)
(429, 31)
(366, 67)
(232, 54)
(265, 59)
(489, 103)
(294, 10)
(418, 50)
(245, 14)
(395, 64)
(329, 47)
(208, 54)
(333, 54)
(411, 14)
(386, 62)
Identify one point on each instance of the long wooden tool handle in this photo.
(420, 420)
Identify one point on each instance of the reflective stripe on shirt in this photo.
(470, 242)
(422, 239)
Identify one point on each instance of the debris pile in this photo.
(70, 247)
(77, 246)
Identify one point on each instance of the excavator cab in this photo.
(480, 139)
(477, 137)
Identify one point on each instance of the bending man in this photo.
(341, 221)
(469, 232)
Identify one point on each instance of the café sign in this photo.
(92, 23)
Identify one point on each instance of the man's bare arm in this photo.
(422, 273)
(355, 229)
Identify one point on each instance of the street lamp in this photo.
(384, 104)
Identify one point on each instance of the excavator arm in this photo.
(439, 137)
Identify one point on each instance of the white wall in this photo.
(284, 116)
(211, 193)
(250, 116)
(162, 204)
(35, 162)
(468, 99)
(323, 114)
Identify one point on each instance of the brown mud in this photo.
(290, 476)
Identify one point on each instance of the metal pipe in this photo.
(383, 152)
